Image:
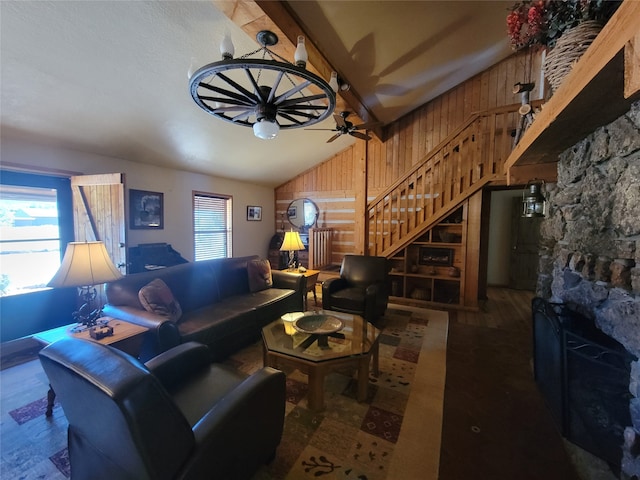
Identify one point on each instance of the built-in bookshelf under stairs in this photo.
(422, 223)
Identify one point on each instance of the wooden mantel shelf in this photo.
(592, 95)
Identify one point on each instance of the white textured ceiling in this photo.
(110, 77)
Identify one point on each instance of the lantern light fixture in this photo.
(533, 202)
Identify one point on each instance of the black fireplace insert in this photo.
(583, 375)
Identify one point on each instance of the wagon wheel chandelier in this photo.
(267, 93)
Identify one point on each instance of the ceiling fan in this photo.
(344, 127)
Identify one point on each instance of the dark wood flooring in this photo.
(496, 425)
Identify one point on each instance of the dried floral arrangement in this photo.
(542, 22)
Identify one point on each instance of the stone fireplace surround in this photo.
(590, 245)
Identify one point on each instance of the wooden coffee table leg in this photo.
(375, 354)
(363, 377)
(315, 396)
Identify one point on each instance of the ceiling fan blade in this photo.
(367, 126)
(340, 122)
(359, 135)
(334, 137)
(323, 129)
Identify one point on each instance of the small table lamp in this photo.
(85, 264)
(292, 243)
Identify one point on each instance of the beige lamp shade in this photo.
(85, 264)
(292, 242)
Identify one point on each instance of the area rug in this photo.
(18, 351)
(394, 434)
(494, 413)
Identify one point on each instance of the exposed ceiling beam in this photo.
(253, 16)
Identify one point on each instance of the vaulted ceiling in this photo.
(110, 77)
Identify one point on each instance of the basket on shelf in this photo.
(568, 50)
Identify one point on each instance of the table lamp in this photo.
(292, 243)
(85, 264)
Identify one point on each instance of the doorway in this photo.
(513, 243)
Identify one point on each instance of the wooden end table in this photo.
(316, 355)
(312, 279)
(126, 337)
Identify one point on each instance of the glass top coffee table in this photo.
(354, 343)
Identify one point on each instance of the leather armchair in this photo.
(177, 416)
(362, 288)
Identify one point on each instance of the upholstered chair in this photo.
(177, 416)
(362, 288)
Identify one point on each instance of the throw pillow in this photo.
(156, 297)
(259, 275)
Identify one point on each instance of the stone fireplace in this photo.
(590, 246)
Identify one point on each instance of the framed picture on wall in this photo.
(254, 213)
(146, 209)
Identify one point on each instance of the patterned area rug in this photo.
(348, 440)
(491, 366)
(18, 351)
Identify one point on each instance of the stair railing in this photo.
(468, 159)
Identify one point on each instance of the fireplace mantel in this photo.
(601, 86)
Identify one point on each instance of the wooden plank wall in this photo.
(333, 184)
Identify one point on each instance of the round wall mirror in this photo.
(302, 213)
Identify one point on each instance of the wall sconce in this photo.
(533, 202)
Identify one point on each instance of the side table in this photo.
(126, 337)
(312, 279)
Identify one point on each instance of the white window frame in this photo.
(42, 254)
(204, 232)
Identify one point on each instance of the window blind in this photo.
(212, 226)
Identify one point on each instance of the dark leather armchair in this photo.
(362, 288)
(177, 416)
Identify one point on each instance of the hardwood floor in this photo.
(495, 423)
(504, 308)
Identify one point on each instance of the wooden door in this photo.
(99, 215)
(525, 235)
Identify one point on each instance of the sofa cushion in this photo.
(232, 275)
(156, 297)
(259, 272)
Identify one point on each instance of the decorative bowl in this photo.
(319, 324)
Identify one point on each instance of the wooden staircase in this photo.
(470, 158)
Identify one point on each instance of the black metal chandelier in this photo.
(267, 94)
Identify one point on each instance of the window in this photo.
(211, 225)
(35, 224)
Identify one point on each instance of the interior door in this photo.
(525, 235)
(99, 215)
